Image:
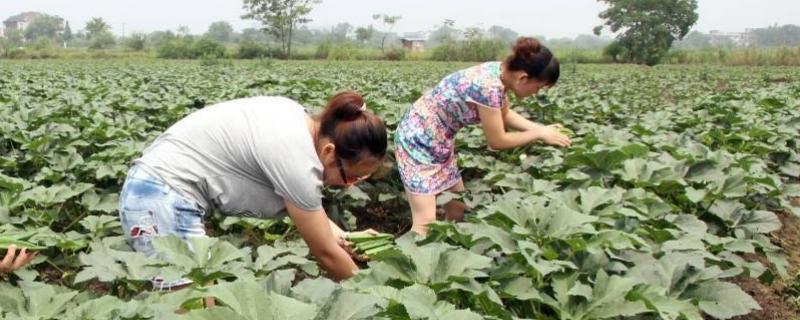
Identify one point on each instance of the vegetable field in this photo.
(674, 202)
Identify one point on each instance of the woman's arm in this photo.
(498, 139)
(515, 121)
(315, 228)
(495, 130)
(338, 233)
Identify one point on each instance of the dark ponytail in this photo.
(352, 128)
(535, 59)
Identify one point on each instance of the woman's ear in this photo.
(522, 78)
(328, 153)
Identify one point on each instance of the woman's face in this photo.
(342, 173)
(525, 87)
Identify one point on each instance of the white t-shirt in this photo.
(243, 157)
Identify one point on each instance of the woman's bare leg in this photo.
(454, 210)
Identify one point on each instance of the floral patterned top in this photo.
(425, 137)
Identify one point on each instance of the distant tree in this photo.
(183, 31)
(12, 40)
(364, 34)
(694, 40)
(43, 26)
(388, 25)
(253, 35)
(103, 40)
(158, 38)
(505, 35)
(444, 33)
(96, 26)
(647, 29)
(67, 34)
(590, 41)
(616, 52)
(221, 31)
(340, 31)
(98, 32)
(776, 36)
(136, 42)
(280, 17)
(303, 35)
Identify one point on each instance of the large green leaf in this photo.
(722, 300)
(347, 305)
(243, 300)
(35, 300)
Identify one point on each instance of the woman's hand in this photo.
(348, 246)
(552, 135)
(13, 261)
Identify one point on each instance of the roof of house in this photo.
(25, 16)
(415, 36)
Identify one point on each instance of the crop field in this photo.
(677, 199)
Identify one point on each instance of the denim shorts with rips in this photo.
(150, 208)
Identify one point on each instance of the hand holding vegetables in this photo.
(12, 260)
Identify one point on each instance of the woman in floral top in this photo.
(425, 138)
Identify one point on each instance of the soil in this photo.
(776, 299)
(382, 218)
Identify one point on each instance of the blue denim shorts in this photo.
(149, 208)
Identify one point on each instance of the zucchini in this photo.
(5, 243)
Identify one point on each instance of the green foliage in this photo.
(388, 24)
(364, 34)
(395, 53)
(102, 40)
(97, 26)
(188, 48)
(220, 31)
(251, 50)
(647, 29)
(43, 27)
(476, 50)
(776, 36)
(205, 47)
(648, 215)
(280, 18)
(136, 42)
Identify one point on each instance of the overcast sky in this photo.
(551, 18)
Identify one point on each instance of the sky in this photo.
(549, 18)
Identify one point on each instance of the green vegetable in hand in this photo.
(371, 244)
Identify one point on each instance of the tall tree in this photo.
(221, 31)
(98, 32)
(340, 31)
(43, 27)
(67, 34)
(11, 40)
(388, 25)
(363, 34)
(136, 41)
(96, 26)
(280, 17)
(648, 28)
(444, 33)
(183, 31)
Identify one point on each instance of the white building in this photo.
(21, 21)
(739, 38)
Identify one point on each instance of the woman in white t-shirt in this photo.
(257, 157)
